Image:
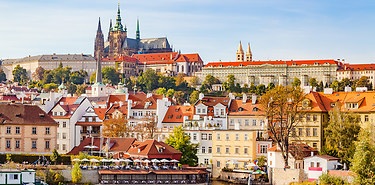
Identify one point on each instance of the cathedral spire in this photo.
(137, 33)
(249, 55)
(98, 77)
(99, 26)
(240, 53)
(118, 26)
(99, 42)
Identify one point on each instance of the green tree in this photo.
(166, 81)
(50, 86)
(148, 81)
(261, 89)
(78, 77)
(320, 87)
(2, 75)
(161, 91)
(208, 82)
(363, 163)
(20, 75)
(110, 75)
(261, 161)
(252, 88)
(81, 89)
(61, 74)
(179, 96)
(332, 180)
(364, 82)
(194, 81)
(76, 174)
(194, 96)
(296, 82)
(72, 88)
(335, 85)
(55, 157)
(92, 77)
(170, 93)
(180, 141)
(229, 84)
(270, 86)
(313, 83)
(341, 132)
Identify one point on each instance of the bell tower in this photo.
(117, 36)
(249, 55)
(240, 55)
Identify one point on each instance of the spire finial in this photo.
(118, 26)
(99, 26)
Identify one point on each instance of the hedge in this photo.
(31, 158)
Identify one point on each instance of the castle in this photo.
(119, 44)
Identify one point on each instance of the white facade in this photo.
(204, 140)
(315, 166)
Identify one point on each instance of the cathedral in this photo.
(119, 44)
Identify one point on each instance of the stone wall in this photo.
(279, 176)
(87, 175)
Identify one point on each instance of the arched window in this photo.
(182, 69)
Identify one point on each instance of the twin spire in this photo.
(240, 55)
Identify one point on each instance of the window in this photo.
(227, 150)
(17, 144)
(254, 122)
(47, 131)
(33, 131)
(222, 112)
(204, 136)
(308, 117)
(246, 122)
(366, 118)
(9, 130)
(307, 131)
(218, 137)
(315, 132)
(237, 150)
(57, 147)
(64, 124)
(231, 122)
(315, 117)
(263, 149)
(33, 144)
(195, 136)
(218, 149)
(239, 122)
(218, 164)
(58, 136)
(209, 149)
(315, 145)
(198, 111)
(203, 149)
(227, 137)
(210, 137)
(13, 176)
(64, 135)
(237, 137)
(300, 132)
(317, 164)
(206, 161)
(245, 150)
(312, 164)
(246, 137)
(18, 130)
(47, 144)
(8, 143)
(64, 146)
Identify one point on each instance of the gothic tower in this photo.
(138, 34)
(117, 36)
(240, 54)
(99, 43)
(249, 55)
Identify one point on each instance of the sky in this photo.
(275, 29)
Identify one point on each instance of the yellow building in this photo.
(235, 149)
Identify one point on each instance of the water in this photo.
(216, 182)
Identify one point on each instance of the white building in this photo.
(315, 166)
(13, 176)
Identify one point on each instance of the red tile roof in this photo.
(154, 58)
(357, 67)
(328, 157)
(100, 112)
(150, 149)
(116, 144)
(176, 113)
(298, 151)
(212, 101)
(237, 108)
(24, 115)
(290, 62)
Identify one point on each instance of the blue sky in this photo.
(276, 29)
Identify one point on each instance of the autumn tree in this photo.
(161, 91)
(179, 97)
(363, 163)
(194, 96)
(194, 81)
(38, 74)
(76, 173)
(81, 89)
(282, 107)
(115, 127)
(150, 126)
(180, 141)
(2, 75)
(340, 134)
(55, 157)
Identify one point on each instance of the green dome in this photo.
(62, 86)
(119, 91)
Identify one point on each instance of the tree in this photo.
(194, 96)
(364, 82)
(165, 81)
(261, 161)
(179, 97)
(261, 89)
(110, 75)
(208, 82)
(270, 86)
(335, 85)
(180, 79)
(194, 81)
(282, 106)
(149, 80)
(161, 91)
(76, 174)
(38, 74)
(2, 76)
(296, 82)
(53, 178)
(9, 157)
(332, 180)
(81, 89)
(320, 87)
(313, 83)
(78, 77)
(170, 93)
(341, 132)
(20, 74)
(72, 88)
(55, 157)
(115, 127)
(50, 86)
(229, 84)
(363, 161)
(252, 88)
(180, 141)
(92, 77)
(150, 126)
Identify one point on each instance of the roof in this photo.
(277, 62)
(298, 151)
(212, 101)
(116, 144)
(69, 104)
(54, 57)
(327, 157)
(145, 172)
(365, 100)
(238, 108)
(357, 67)
(24, 115)
(120, 59)
(100, 112)
(151, 147)
(176, 113)
(171, 57)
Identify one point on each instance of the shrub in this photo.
(76, 174)
(326, 179)
(31, 158)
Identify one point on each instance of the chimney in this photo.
(244, 98)
(121, 103)
(348, 89)
(201, 96)
(254, 99)
(149, 95)
(231, 96)
(312, 153)
(328, 90)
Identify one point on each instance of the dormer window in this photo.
(333, 104)
(316, 63)
(352, 105)
(240, 109)
(255, 109)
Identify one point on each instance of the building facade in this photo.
(356, 71)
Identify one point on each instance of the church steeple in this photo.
(118, 26)
(137, 33)
(249, 55)
(99, 42)
(240, 54)
(110, 29)
(98, 77)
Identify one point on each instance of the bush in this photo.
(76, 174)
(31, 158)
(52, 177)
(225, 169)
(326, 179)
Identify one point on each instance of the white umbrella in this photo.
(104, 160)
(251, 165)
(164, 161)
(122, 160)
(85, 160)
(155, 161)
(115, 160)
(137, 161)
(128, 160)
(174, 161)
(146, 161)
(75, 160)
(94, 160)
